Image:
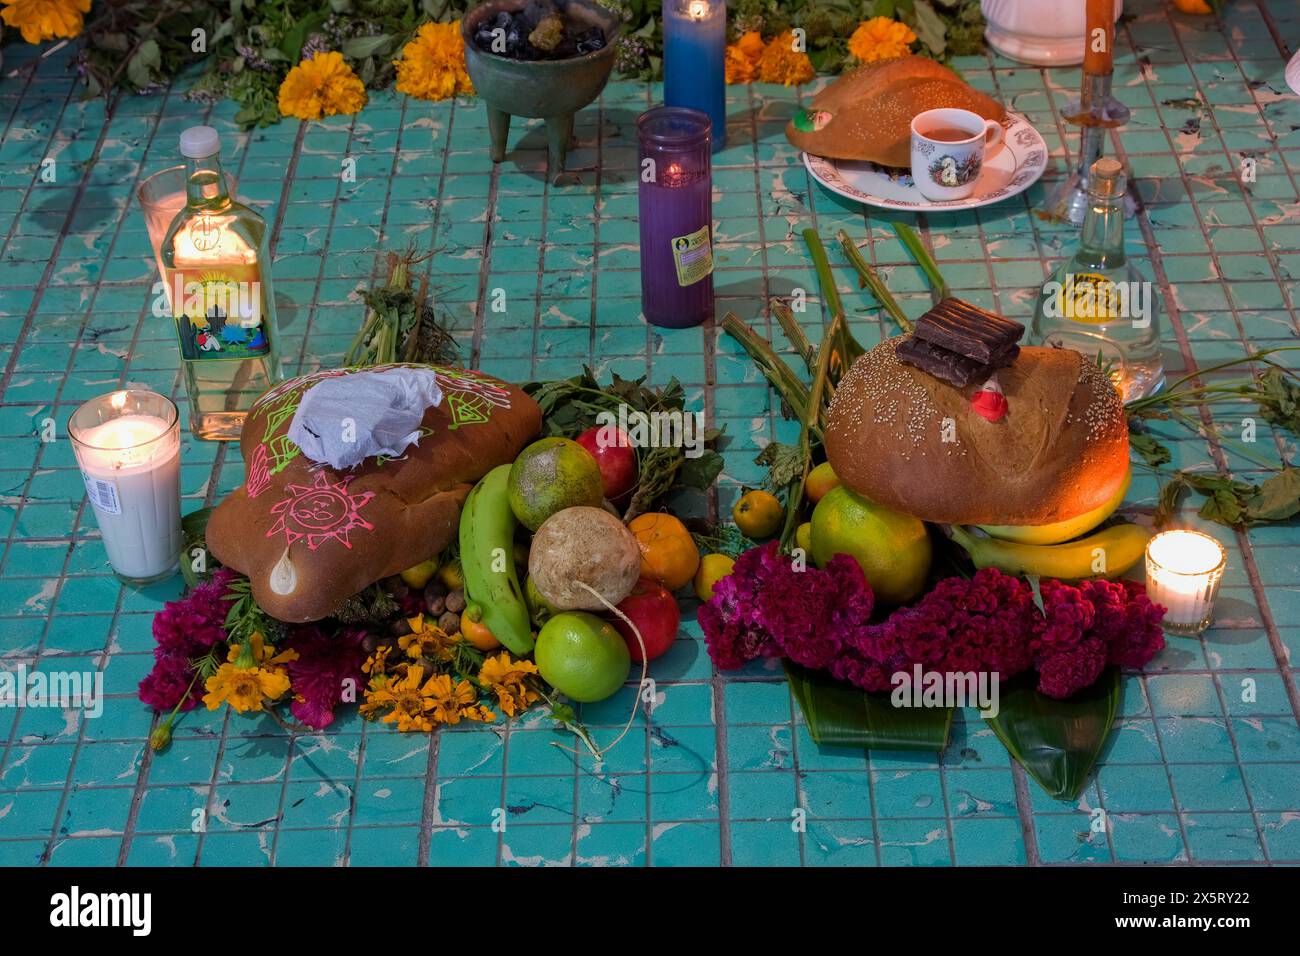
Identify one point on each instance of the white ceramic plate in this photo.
(1293, 74)
(1009, 169)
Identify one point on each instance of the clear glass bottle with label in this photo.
(216, 266)
(1097, 302)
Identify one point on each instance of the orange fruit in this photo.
(713, 568)
(758, 514)
(668, 552)
(474, 631)
(1193, 6)
(820, 480)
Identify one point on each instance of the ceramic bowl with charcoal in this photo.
(540, 30)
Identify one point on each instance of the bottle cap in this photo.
(1107, 177)
(198, 142)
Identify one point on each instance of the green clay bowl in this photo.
(547, 89)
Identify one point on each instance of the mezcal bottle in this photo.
(216, 266)
(1097, 302)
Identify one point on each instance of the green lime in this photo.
(550, 475)
(893, 549)
(582, 656)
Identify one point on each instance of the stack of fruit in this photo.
(550, 570)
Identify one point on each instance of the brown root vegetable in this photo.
(455, 601)
(449, 622)
(587, 545)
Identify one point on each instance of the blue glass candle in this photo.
(695, 43)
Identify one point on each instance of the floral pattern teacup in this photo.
(946, 168)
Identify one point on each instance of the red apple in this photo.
(613, 452)
(654, 612)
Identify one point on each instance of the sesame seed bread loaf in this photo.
(867, 114)
(1060, 451)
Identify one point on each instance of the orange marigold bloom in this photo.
(880, 38)
(432, 66)
(741, 62)
(39, 20)
(322, 86)
(782, 63)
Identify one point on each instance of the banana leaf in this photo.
(1057, 741)
(840, 715)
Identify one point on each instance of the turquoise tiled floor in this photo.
(1205, 764)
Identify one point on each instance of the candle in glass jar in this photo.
(695, 43)
(676, 211)
(1184, 569)
(127, 445)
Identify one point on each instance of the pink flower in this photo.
(183, 630)
(989, 623)
(320, 676)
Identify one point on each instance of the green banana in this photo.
(1107, 553)
(487, 538)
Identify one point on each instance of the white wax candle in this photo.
(131, 466)
(1183, 573)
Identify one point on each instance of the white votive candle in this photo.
(128, 447)
(1183, 573)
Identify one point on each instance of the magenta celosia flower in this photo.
(988, 623)
(195, 622)
(768, 608)
(185, 629)
(165, 686)
(320, 675)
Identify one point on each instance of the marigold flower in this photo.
(782, 63)
(741, 62)
(245, 688)
(432, 66)
(425, 640)
(322, 86)
(39, 20)
(408, 699)
(453, 701)
(880, 38)
(508, 679)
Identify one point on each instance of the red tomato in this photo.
(654, 611)
(613, 452)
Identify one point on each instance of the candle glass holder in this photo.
(676, 211)
(162, 197)
(127, 445)
(695, 44)
(1184, 569)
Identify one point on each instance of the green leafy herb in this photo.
(245, 618)
(1231, 502)
(1278, 396)
(571, 406)
(784, 465)
(401, 324)
(723, 539)
(1152, 452)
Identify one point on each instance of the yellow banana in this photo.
(1107, 553)
(1059, 531)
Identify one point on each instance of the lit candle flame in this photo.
(698, 9)
(118, 401)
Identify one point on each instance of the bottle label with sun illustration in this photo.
(218, 312)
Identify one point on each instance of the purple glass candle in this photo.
(676, 205)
